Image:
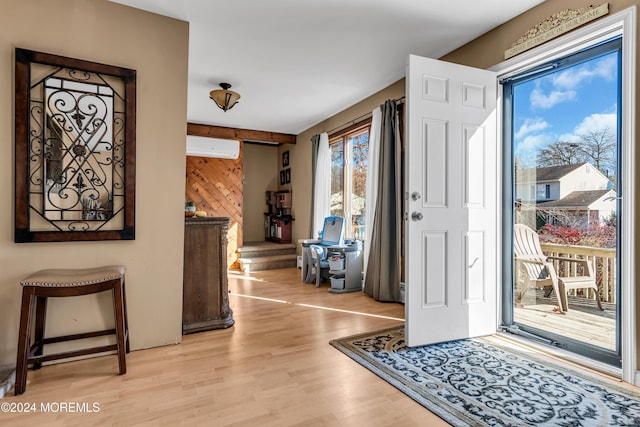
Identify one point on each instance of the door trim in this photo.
(622, 23)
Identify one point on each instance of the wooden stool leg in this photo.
(126, 318)
(41, 316)
(24, 339)
(118, 308)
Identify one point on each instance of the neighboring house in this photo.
(579, 208)
(576, 195)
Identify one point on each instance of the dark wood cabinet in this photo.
(279, 229)
(205, 303)
(278, 217)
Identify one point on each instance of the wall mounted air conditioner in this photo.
(212, 147)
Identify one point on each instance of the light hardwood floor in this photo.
(274, 367)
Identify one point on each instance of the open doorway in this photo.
(613, 38)
(563, 122)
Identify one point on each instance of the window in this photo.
(544, 192)
(349, 151)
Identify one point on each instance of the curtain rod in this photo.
(350, 123)
(361, 118)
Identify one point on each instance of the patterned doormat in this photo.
(477, 383)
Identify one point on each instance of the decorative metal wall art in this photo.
(75, 149)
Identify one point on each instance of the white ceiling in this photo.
(298, 62)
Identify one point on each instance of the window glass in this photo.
(337, 178)
(564, 126)
(360, 151)
(349, 153)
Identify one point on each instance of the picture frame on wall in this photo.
(287, 176)
(282, 177)
(98, 99)
(285, 159)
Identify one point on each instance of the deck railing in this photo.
(602, 260)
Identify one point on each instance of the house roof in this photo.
(550, 173)
(576, 199)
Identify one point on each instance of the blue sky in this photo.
(564, 104)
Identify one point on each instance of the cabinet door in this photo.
(205, 296)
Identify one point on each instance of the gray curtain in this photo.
(315, 145)
(384, 268)
(307, 272)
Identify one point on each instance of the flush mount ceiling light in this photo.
(224, 98)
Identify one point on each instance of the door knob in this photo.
(416, 216)
(415, 196)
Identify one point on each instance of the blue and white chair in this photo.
(332, 235)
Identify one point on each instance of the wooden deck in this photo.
(584, 321)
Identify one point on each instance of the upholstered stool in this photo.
(67, 283)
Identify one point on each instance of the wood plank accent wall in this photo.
(215, 185)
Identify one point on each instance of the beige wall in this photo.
(260, 166)
(157, 47)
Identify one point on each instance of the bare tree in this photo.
(560, 153)
(599, 148)
(359, 164)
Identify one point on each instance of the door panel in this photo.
(476, 286)
(474, 169)
(452, 182)
(435, 249)
(434, 175)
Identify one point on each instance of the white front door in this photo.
(452, 183)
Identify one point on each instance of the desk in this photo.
(352, 271)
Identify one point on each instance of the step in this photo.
(273, 262)
(265, 249)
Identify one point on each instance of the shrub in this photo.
(599, 236)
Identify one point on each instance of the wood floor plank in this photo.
(274, 367)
